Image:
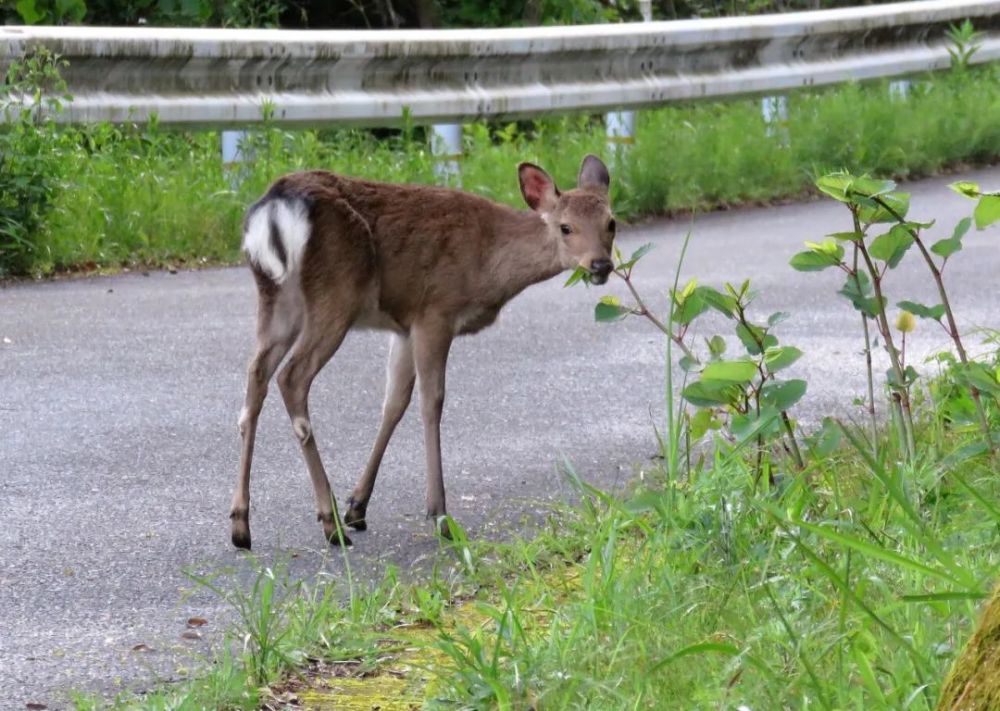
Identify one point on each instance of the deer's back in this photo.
(429, 248)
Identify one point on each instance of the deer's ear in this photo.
(537, 187)
(593, 175)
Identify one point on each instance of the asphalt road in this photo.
(118, 443)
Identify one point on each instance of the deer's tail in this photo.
(275, 233)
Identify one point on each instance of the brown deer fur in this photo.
(331, 253)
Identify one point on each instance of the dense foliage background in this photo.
(381, 13)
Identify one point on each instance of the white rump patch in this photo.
(292, 222)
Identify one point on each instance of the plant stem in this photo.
(673, 426)
(642, 310)
(796, 452)
(952, 329)
(868, 353)
(900, 395)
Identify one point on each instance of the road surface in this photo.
(118, 444)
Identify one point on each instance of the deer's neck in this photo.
(525, 253)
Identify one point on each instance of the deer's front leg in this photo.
(398, 389)
(431, 342)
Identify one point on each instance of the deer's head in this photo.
(578, 220)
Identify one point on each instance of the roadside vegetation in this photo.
(378, 14)
(107, 196)
(752, 565)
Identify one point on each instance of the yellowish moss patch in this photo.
(973, 684)
(411, 675)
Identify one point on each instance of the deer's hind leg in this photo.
(279, 319)
(337, 278)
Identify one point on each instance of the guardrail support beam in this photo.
(774, 109)
(620, 130)
(619, 126)
(233, 143)
(446, 146)
(900, 89)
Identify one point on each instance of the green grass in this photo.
(138, 195)
(849, 586)
(716, 595)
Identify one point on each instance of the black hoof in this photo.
(241, 539)
(355, 516)
(340, 539)
(240, 529)
(356, 520)
(333, 531)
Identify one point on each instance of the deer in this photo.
(331, 253)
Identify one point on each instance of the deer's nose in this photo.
(600, 268)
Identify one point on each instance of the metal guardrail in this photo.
(198, 77)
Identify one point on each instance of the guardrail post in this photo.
(620, 130)
(446, 145)
(232, 155)
(899, 89)
(774, 109)
(620, 125)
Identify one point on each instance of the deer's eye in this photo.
(611, 227)
(565, 229)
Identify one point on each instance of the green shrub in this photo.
(30, 154)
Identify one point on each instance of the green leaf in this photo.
(835, 185)
(961, 228)
(813, 261)
(871, 212)
(711, 393)
(700, 423)
(933, 312)
(874, 551)
(716, 346)
(987, 211)
(892, 246)
(725, 305)
(636, 256)
(979, 376)
(944, 596)
(753, 424)
(689, 364)
(862, 297)
(641, 252)
(733, 371)
(696, 300)
(28, 12)
(687, 308)
(781, 395)
(778, 357)
(608, 311)
(777, 317)
(910, 376)
(717, 647)
(866, 186)
(966, 188)
(750, 337)
(947, 247)
(829, 247)
(846, 236)
(579, 274)
(826, 441)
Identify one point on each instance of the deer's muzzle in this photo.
(599, 270)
